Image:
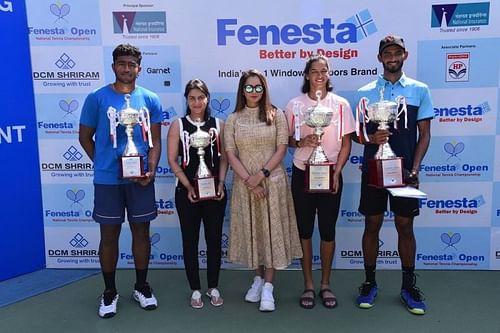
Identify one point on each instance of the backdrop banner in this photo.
(453, 47)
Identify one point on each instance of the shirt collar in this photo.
(383, 82)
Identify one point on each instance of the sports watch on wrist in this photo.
(266, 172)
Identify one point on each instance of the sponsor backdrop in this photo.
(21, 244)
(452, 48)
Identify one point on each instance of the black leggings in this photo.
(306, 205)
(190, 217)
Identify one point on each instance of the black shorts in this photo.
(306, 205)
(111, 201)
(374, 201)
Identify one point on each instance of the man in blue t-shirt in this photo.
(411, 143)
(114, 194)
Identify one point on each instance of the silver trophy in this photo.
(319, 170)
(386, 169)
(204, 181)
(131, 161)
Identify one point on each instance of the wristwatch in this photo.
(266, 172)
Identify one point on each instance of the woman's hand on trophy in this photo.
(310, 140)
(379, 137)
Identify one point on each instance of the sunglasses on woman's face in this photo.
(250, 89)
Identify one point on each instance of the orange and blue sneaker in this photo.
(367, 295)
(413, 299)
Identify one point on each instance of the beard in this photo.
(395, 68)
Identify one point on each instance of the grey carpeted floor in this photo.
(458, 301)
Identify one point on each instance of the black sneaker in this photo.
(413, 299)
(367, 295)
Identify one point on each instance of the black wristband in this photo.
(266, 172)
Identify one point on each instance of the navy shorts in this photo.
(374, 201)
(111, 201)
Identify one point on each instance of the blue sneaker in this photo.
(413, 300)
(367, 294)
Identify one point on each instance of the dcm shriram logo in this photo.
(310, 33)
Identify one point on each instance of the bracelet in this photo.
(221, 181)
(176, 172)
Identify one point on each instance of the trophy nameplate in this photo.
(386, 172)
(319, 177)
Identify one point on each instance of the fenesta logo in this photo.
(462, 110)
(460, 15)
(365, 24)
(325, 31)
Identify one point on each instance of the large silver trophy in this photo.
(385, 169)
(131, 161)
(319, 170)
(204, 182)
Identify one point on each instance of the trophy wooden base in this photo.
(132, 167)
(386, 173)
(205, 188)
(319, 177)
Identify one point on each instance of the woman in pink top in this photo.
(337, 146)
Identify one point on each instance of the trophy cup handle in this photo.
(113, 123)
(145, 122)
(297, 111)
(401, 101)
(362, 119)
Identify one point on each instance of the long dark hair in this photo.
(201, 86)
(306, 85)
(267, 111)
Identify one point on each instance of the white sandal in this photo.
(215, 297)
(196, 301)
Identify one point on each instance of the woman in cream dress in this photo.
(264, 232)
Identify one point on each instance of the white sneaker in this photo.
(146, 299)
(108, 310)
(253, 294)
(267, 298)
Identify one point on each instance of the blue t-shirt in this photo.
(94, 115)
(419, 104)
